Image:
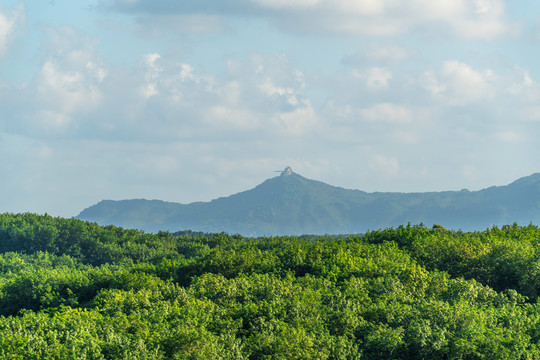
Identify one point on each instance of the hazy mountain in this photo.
(292, 204)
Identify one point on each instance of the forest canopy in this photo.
(75, 290)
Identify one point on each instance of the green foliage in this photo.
(74, 290)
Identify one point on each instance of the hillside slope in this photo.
(292, 204)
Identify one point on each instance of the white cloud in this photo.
(67, 87)
(470, 19)
(151, 75)
(375, 78)
(53, 121)
(297, 122)
(524, 87)
(268, 82)
(483, 20)
(157, 107)
(148, 90)
(67, 90)
(264, 93)
(166, 100)
(11, 21)
(232, 92)
(431, 83)
(458, 84)
(388, 113)
(477, 19)
(268, 88)
(232, 118)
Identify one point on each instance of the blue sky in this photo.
(192, 100)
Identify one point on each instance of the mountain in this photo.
(292, 204)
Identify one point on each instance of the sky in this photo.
(193, 100)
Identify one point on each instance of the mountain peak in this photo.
(287, 172)
(292, 204)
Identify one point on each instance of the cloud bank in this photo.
(470, 19)
(12, 23)
(366, 97)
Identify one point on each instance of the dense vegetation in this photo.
(74, 290)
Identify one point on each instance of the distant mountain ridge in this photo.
(291, 204)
